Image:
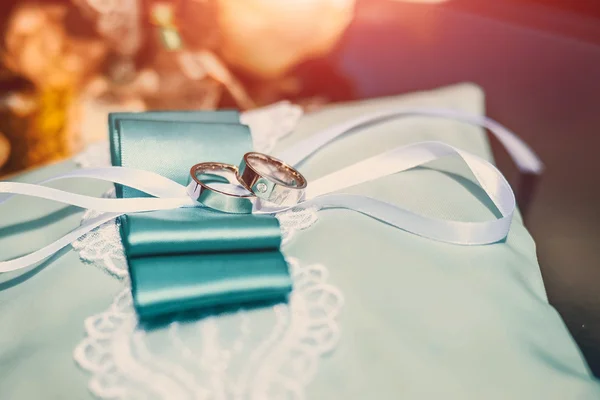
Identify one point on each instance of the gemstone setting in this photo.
(261, 187)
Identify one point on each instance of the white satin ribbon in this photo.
(321, 192)
(521, 153)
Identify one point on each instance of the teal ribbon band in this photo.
(148, 143)
(170, 284)
(224, 116)
(190, 231)
(193, 258)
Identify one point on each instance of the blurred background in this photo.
(65, 64)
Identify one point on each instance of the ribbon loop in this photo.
(522, 155)
(131, 205)
(455, 232)
(322, 192)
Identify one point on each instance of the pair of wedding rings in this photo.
(258, 177)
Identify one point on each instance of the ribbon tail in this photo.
(170, 195)
(447, 231)
(523, 156)
(131, 205)
(402, 158)
(49, 250)
(144, 181)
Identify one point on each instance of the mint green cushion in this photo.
(421, 320)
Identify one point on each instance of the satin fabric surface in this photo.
(224, 116)
(422, 320)
(193, 258)
(191, 231)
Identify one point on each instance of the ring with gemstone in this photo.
(205, 186)
(271, 179)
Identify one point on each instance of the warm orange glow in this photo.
(266, 38)
(422, 1)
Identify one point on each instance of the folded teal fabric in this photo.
(420, 320)
(170, 148)
(221, 116)
(190, 231)
(193, 258)
(168, 284)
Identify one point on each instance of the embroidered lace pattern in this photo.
(266, 353)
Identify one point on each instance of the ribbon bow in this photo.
(323, 192)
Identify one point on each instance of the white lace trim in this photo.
(267, 124)
(268, 353)
(271, 123)
(103, 247)
(95, 155)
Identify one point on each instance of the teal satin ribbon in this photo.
(193, 258)
(190, 230)
(149, 131)
(231, 117)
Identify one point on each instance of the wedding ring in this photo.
(236, 200)
(271, 179)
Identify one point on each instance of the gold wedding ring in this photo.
(239, 201)
(271, 179)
